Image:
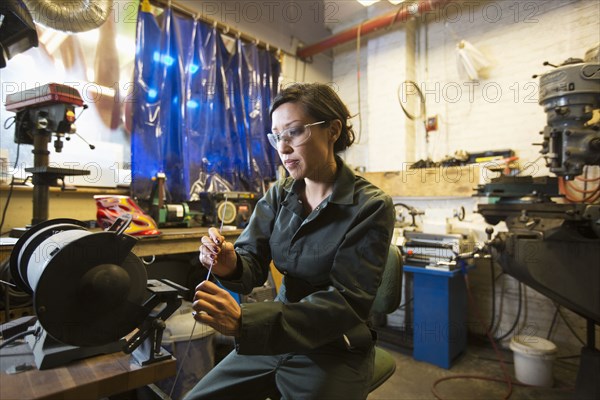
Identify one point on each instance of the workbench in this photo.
(90, 378)
(104, 375)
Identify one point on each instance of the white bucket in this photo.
(197, 352)
(534, 358)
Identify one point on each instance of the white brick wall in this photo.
(517, 36)
(502, 111)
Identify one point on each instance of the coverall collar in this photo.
(343, 188)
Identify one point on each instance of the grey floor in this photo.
(414, 379)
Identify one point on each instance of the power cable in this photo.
(360, 125)
(507, 379)
(570, 327)
(18, 297)
(402, 94)
(8, 197)
(500, 303)
(12, 181)
(493, 278)
(423, 108)
(552, 323)
(517, 318)
(406, 303)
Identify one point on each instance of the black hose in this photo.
(553, 322)
(407, 302)
(18, 298)
(570, 327)
(514, 325)
(493, 317)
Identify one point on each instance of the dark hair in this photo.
(322, 103)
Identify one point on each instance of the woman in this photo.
(328, 232)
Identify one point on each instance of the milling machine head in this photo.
(570, 95)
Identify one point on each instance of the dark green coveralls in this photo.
(313, 341)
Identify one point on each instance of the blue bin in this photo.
(440, 308)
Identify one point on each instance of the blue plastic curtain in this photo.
(200, 110)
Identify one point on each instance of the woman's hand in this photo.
(215, 251)
(216, 308)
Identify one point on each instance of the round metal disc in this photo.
(91, 292)
(25, 246)
(226, 212)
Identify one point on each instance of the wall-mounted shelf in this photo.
(430, 182)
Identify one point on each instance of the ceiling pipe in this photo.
(404, 13)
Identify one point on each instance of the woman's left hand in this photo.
(216, 308)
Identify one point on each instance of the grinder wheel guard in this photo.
(88, 288)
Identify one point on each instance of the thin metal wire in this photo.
(220, 231)
(187, 347)
(7, 283)
(187, 350)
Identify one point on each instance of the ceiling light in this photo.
(367, 3)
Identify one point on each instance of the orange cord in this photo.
(589, 196)
(507, 377)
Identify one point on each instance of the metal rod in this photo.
(220, 231)
(224, 28)
(7, 283)
(41, 189)
(6, 305)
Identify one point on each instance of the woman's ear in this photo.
(335, 130)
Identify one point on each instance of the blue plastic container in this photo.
(440, 308)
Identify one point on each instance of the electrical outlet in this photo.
(431, 124)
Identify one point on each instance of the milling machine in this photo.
(554, 247)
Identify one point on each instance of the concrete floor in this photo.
(414, 379)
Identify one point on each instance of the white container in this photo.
(196, 351)
(534, 358)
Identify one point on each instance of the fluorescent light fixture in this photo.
(367, 3)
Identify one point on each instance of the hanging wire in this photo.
(517, 317)
(401, 92)
(423, 109)
(12, 180)
(493, 310)
(553, 323)
(580, 196)
(12, 122)
(360, 125)
(584, 195)
(569, 326)
(500, 305)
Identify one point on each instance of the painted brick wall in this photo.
(498, 112)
